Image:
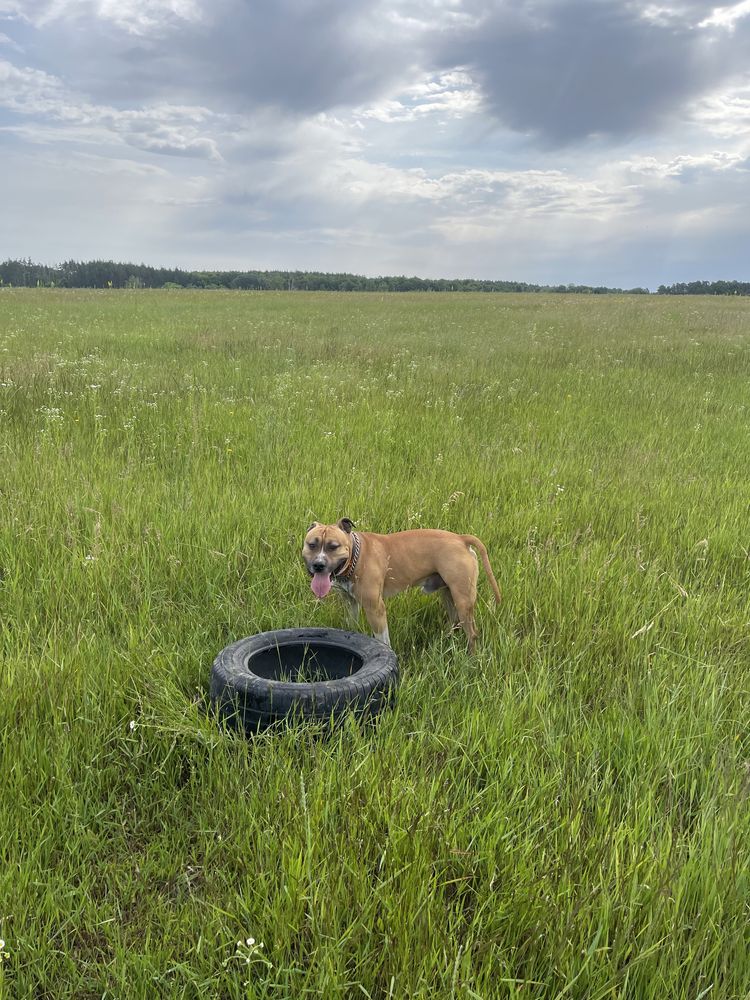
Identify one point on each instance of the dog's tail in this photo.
(473, 540)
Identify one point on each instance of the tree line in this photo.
(111, 274)
(706, 288)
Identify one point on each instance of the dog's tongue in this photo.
(321, 584)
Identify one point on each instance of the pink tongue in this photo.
(321, 584)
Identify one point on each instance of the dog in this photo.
(367, 567)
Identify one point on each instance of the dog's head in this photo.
(327, 550)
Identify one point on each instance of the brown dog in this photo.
(367, 568)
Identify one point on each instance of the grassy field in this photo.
(565, 815)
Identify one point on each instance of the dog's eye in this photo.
(312, 544)
(332, 545)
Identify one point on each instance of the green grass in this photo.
(565, 815)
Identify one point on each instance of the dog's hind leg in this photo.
(450, 608)
(465, 610)
(463, 597)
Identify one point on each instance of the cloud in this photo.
(7, 40)
(687, 166)
(452, 94)
(726, 17)
(558, 71)
(297, 56)
(566, 71)
(725, 113)
(132, 16)
(556, 140)
(161, 128)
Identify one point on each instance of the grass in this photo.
(565, 815)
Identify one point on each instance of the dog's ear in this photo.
(346, 524)
(313, 525)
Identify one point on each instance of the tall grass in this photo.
(565, 815)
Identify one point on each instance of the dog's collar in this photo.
(351, 565)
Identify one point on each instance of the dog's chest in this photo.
(343, 585)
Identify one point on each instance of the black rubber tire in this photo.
(247, 700)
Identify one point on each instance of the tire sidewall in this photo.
(236, 691)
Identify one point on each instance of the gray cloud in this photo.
(296, 55)
(557, 70)
(564, 71)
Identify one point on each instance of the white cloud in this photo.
(132, 16)
(27, 90)
(429, 15)
(139, 16)
(161, 128)
(686, 164)
(726, 17)
(660, 15)
(727, 113)
(7, 40)
(453, 94)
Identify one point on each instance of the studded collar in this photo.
(348, 570)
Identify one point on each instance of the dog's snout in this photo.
(318, 565)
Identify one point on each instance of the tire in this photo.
(253, 681)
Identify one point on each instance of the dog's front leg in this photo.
(352, 609)
(376, 617)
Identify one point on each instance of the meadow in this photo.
(564, 815)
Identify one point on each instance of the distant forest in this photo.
(110, 274)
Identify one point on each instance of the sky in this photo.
(582, 141)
